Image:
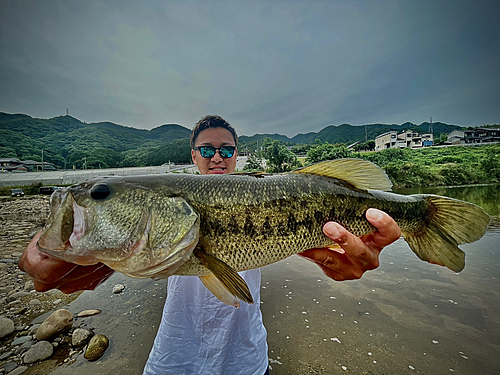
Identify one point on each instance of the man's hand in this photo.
(49, 273)
(356, 254)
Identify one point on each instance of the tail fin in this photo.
(450, 222)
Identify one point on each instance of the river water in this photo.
(406, 317)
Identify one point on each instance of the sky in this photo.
(284, 67)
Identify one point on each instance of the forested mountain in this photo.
(67, 141)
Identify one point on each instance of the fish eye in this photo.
(100, 192)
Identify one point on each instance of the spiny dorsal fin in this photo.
(360, 173)
(258, 174)
(228, 277)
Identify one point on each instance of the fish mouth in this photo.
(57, 232)
(66, 226)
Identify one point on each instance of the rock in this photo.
(53, 292)
(16, 254)
(33, 329)
(34, 302)
(29, 285)
(59, 321)
(3, 266)
(96, 348)
(20, 294)
(8, 261)
(118, 288)
(27, 345)
(81, 337)
(18, 370)
(88, 313)
(6, 289)
(10, 366)
(6, 355)
(6, 327)
(38, 352)
(20, 340)
(57, 301)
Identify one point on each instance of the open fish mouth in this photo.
(65, 227)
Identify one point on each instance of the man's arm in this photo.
(50, 273)
(356, 255)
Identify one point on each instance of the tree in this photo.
(253, 163)
(327, 151)
(279, 158)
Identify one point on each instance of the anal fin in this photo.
(213, 284)
(224, 282)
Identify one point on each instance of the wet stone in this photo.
(88, 313)
(81, 337)
(118, 288)
(96, 348)
(59, 321)
(38, 352)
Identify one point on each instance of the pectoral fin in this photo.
(224, 282)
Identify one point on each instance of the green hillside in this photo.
(67, 141)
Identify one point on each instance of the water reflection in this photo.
(485, 196)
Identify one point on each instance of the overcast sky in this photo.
(278, 66)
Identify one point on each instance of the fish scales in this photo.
(251, 222)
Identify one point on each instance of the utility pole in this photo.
(42, 159)
(67, 112)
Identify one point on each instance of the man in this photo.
(199, 334)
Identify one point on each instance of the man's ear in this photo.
(193, 156)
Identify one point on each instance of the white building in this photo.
(408, 138)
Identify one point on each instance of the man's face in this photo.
(215, 137)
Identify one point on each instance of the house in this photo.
(456, 137)
(16, 165)
(482, 135)
(33, 165)
(408, 138)
(12, 165)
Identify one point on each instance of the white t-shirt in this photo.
(199, 334)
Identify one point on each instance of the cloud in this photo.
(285, 67)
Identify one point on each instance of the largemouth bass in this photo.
(212, 226)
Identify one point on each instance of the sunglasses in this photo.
(208, 152)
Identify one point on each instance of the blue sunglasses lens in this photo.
(208, 152)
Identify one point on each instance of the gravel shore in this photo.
(20, 303)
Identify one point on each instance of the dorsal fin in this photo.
(360, 173)
(258, 174)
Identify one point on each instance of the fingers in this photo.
(387, 232)
(357, 254)
(337, 265)
(352, 245)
